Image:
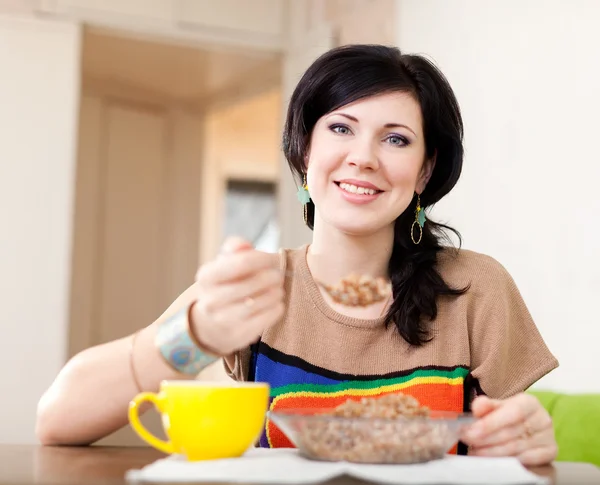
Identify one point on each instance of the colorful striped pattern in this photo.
(296, 383)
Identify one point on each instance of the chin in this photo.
(357, 227)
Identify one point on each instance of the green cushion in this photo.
(576, 420)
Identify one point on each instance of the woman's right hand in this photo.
(240, 296)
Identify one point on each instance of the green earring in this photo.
(303, 195)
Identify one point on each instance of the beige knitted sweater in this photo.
(484, 341)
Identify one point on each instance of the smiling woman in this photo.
(366, 127)
(374, 137)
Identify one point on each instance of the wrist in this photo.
(180, 347)
(196, 334)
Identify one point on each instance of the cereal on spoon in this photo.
(356, 290)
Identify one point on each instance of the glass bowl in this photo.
(371, 440)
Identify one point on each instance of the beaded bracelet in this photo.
(179, 347)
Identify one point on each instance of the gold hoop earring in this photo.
(419, 221)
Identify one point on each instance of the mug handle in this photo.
(136, 424)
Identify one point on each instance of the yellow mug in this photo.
(205, 420)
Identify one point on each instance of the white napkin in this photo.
(281, 466)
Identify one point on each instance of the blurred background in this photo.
(136, 134)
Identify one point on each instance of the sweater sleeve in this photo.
(508, 353)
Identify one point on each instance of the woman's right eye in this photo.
(340, 129)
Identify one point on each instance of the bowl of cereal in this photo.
(393, 429)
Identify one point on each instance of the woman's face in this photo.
(366, 161)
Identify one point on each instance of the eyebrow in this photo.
(387, 125)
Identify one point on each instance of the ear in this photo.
(425, 175)
(307, 148)
(306, 158)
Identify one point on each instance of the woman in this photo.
(376, 137)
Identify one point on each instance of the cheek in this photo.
(322, 162)
(318, 177)
(403, 175)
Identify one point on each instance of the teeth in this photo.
(353, 189)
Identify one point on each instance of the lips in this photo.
(358, 187)
(358, 192)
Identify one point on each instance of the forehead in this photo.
(397, 107)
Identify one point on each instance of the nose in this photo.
(362, 154)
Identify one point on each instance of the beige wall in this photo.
(38, 121)
(360, 21)
(526, 76)
(241, 142)
(242, 24)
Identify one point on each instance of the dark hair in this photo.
(352, 72)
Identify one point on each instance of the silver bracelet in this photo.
(178, 346)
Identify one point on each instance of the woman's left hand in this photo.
(518, 426)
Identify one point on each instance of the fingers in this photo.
(242, 311)
(509, 448)
(222, 295)
(510, 412)
(539, 422)
(542, 442)
(257, 324)
(511, 433)
(235, 267)
(539, 456)
(238, 325)
(483, 405)
(234, 244)
(518, 426)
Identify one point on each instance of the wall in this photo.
(242, 141)
(37, 163)
(526, 77)
(237, 23)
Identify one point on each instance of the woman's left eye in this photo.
(397, 140)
